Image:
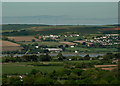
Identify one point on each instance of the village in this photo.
(104, 40)
(70, 43)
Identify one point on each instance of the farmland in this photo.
(9, 46)
(52, 44)
(7, 43)
(22, 68)
(83, 38)
(28, 30)
(22, 38)
(44, 68)
(95, 50)
(68, 43)
(26, 67)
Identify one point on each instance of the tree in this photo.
(37, 36)
(14, 81)
(77, 71)
(66, 46)
(30, 58)
(43, 81)
(33, 40)
(28, 80)
(101, 81)
(35, 44)
(60, 46)
(45, 57)
(64, 39)
(84, 43)
(34, 71)
(87, 57)
(60, 56)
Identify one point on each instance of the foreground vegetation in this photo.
(44, 69)
(65, 76)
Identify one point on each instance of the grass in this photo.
(44, 43)
(85, 61)
(92, 49)
(70, 38)
(25, 67)
(22, 68)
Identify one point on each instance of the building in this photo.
(54, 49)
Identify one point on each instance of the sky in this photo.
(60, 12)
(60, 0)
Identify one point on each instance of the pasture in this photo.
(26, 67)
(22, 68)
(50, 43)
(95, 50)
(46, 67)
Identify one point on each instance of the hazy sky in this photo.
(60, 0)
(60, 12)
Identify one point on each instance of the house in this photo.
(72, 46)
(54, 49)
(36, 46)
(115, 61)
(76, 51)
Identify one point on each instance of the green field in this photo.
(23, 68)
(44, 43)
(92, 49)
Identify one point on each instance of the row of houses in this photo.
(107, 39)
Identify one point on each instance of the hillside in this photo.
(26, 30)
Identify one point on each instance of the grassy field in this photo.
(22, 68)
(44, 43)
(92, 49)
(25, 67)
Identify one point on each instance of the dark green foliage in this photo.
(66, 77)
(87, 57)
(34, 71)
(44, 57)
(30, 58)
(33, 40)
(60, 56)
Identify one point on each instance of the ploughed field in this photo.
(9, 46)
(8, 43)
(22, 38)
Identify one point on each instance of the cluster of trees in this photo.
(34, 58)
(80, 65)
(107, 58)
(27, 58)
(65, 77)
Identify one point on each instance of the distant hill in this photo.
(33, 29)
